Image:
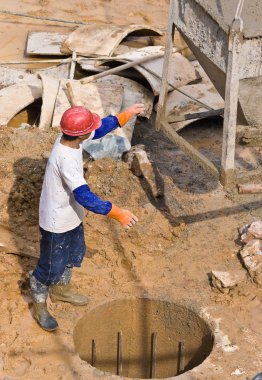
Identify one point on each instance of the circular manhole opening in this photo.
(143, 338)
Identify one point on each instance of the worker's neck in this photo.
(74, 144)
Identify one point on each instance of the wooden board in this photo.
(45, 43)
(98, 97)
(50, 90)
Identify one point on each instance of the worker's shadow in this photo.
(23, 203)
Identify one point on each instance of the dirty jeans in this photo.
(58, 251)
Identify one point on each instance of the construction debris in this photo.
(251, 231)
(250, 188)
(251, 253)
(256, 229)
(226, 281)
(9, 77)
(102, 40)
(182, 71)
(141, 166)
(121, 68)
(119, 141)
(50, 90)
(14, 98)
(95, 96)
(179, 105)
(45, 43)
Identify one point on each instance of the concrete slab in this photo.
(97, 40)
(10, 76)
(178, 104)
(181, 70)
(95, 96)
(133, 93)
(45, 43)
(14, 98)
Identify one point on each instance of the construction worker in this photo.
(65, 194)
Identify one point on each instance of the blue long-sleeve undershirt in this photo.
(109, 124)
(84, 196)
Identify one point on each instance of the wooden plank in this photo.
(231, 104)
(50, 90)
(188, 149)
(45, 43)
(73, 66)
(197, 115)
(161, 110)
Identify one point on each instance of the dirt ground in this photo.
(168, 255)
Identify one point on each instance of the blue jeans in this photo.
(58, 250)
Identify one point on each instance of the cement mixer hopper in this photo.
(205, 26)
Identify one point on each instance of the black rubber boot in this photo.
(43, 317)
(40, 313)
(62, 292)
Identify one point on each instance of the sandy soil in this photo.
(179, 239)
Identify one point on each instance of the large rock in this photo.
(251, 231)
(225, 281)
(251, 255)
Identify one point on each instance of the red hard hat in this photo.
(78, 121)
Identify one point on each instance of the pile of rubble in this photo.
(251, 253)
(251, 258)
(89, 53)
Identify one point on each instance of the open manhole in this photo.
(143, 338)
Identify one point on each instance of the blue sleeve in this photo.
(84, 196)
(109, 123)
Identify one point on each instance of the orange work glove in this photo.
(125, 217)
(130, 112)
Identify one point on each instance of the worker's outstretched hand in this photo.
(136, 109)
(125, 217)
(127, 114)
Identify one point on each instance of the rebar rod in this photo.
(153, 356)
(119, 368)
(180, 358)
(93, 359)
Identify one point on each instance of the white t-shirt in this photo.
(58, 210)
